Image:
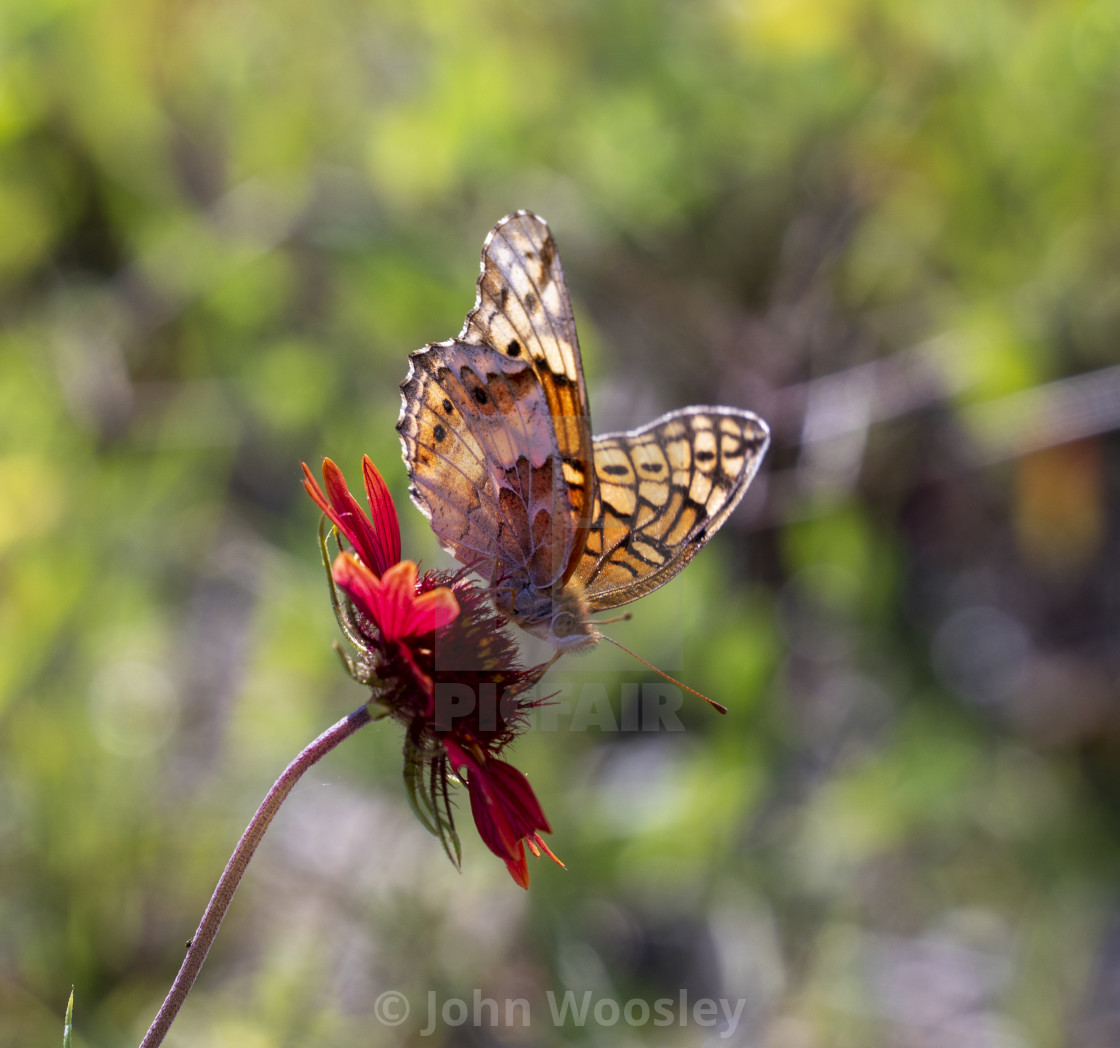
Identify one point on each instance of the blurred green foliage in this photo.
(875, 223)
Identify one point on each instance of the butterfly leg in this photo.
(503, 607)
(494, 589)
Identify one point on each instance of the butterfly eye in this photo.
(563, 624)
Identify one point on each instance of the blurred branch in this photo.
(836, 412)
(1059, 412)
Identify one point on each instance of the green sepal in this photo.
(430, 801)
(341, 612)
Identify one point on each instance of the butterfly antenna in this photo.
(719, 708)
(624, 617)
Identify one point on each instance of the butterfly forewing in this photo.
(663, 491)
(523, 311)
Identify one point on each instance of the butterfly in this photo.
(496, 435)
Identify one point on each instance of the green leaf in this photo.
(68, 1029)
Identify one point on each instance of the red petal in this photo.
(491, 820)
(397, 593)
(502, 797)
(430, 611)
(361, 585)
(383, 513)
(391, 600)
(489, 814)
(506, 812)
(312, 486)
(350, 518)
(517, 797)
(519, 870)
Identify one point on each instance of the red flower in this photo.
(398, 620)
(505, 810)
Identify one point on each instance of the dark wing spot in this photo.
(439, 432)
(531, 302)
(705, 456)
(447, 406)
(522, 383)
(616, 471)
(514, 348)
(652, 467)
(548, 253)
(479, 394)
(503, 296)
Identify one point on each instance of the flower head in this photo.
(442, 663)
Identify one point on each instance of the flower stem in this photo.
(223, 894)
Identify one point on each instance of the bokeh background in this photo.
(891, 229)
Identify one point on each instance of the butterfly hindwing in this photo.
(663, 491)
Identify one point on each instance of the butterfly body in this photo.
(496, 434)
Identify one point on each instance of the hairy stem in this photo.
(238, 861)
